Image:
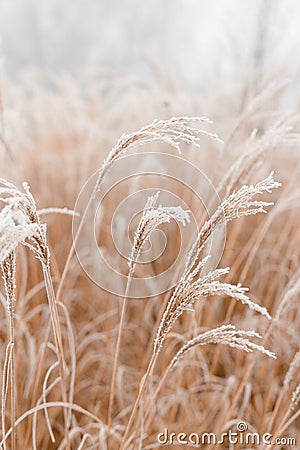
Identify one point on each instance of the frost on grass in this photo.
(190, 289)
(192, 286)
(225, 335)
(8, 269)
(20, 223)
(172, 132)
(14, 229)
(152, 217)
(240, 203)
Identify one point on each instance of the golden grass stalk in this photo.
(8, 267)
(40, 131)
(25, 228)
(172, 132)
(224, 335)
(190, 288)
(152, 217)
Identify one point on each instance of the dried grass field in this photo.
(164, 293)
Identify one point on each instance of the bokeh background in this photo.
(179, 39)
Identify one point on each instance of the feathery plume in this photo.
(21, 215)
(14, 229)
(24, 223)
(171, 131)
(240, 203)
(189, 290)
(225, 335)
(8, 268)
(152, 217)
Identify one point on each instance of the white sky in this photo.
(184, 38)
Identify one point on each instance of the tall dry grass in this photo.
(89, 369)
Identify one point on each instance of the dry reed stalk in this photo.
(238, 204)
(280, 244)
(223, 335)
(152, 217)
(8, 267)
(190, 288)
(250, 256)
(23, 226)
(171, 132)
(5, 384)
(280, 133)
(241, 167)
(42, 407)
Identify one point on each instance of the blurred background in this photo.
(76, 75)
(182, 40)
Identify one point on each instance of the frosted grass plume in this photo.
(171, 132)
(238, 204)
(20, 222)
(189, 290)
(225, 335)
(152, 217)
